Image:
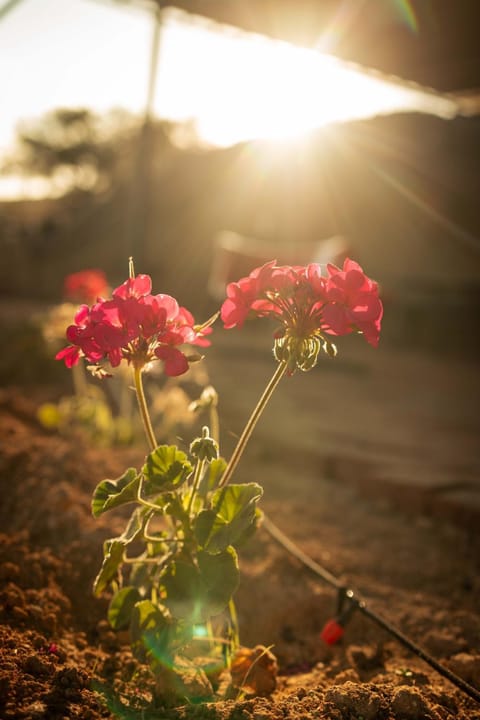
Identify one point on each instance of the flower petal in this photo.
(70, 355)
(175, 362)
(336, 319)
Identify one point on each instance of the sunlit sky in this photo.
(70, 53)
(232, 85)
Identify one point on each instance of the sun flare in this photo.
(235, 86)
(216, 84)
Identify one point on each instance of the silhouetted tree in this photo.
(75, 148)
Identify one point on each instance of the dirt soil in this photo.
(57, 651)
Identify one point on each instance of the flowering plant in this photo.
(88, 407)
(174, 569)
(108, 415)
(85, 285)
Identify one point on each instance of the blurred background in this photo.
(204, 136)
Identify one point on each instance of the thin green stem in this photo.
(214, 423)
(142, 404)
(79, 380)
(126, 397)
(210, 635)
(147, 560)
(151, 538)
(196, 481)
(144, 502)
(252, 421)
(233, 622)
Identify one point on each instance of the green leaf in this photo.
(174, 506)
(135, 525)
(220, 576)
(212, 477)
(121, 606)
(166, 469)
(184, 591)
(251, 529)
(113, 552)
(115, 547)
(156, 549)
(140, 577)
(233, 512)
(203, 528)
(150, 635)
(196, 594)
(112, 493)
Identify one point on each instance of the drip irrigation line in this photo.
(358, 604)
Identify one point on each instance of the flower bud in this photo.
(205, 447)
(208, 398)
(299, 354)
(330, 348)
(307, 353)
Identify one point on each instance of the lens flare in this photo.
(406, 12)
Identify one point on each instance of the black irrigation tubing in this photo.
(357, 604)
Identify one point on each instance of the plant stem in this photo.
(142, 404)
(233, 622)
(196, 480)
(125, 403)
(144, 502)
(252, 421)
(79, 380)
(214, 423)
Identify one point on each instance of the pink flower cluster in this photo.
(135, 326)
(85, 286)
(306, 303)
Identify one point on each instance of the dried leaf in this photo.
(254, 670)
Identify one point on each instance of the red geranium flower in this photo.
(353, 302)
(308, 306)
(85, 286)
(134, 326)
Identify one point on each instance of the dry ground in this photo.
(364, 463)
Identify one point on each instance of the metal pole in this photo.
(140, 192)
(152, 77)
